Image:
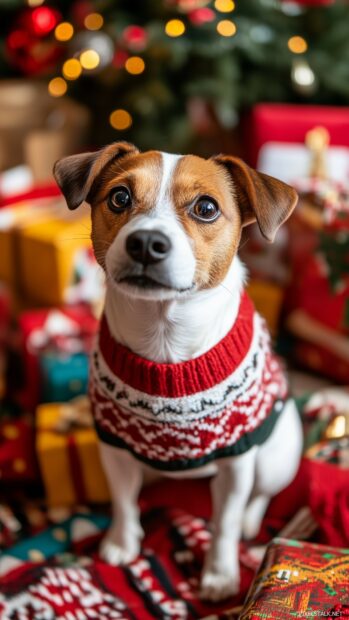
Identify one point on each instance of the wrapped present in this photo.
(67, 450)
(318, 307)
(13, 218)
(268, 298)
(46, 254)
(297, 580)
(47, 250)
(56, 341)
(276, 134)
(17, 449)
(63, 376)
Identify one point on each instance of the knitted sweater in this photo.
(180, 416)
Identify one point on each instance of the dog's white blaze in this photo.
(163, 203)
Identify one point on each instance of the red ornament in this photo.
(202, 16)
(135, 37)
(30, 47)
(44, 20)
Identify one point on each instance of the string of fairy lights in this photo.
(88, 59)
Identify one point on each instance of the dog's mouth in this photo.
(147, 283)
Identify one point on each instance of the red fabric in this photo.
(183, 379)
(41, 191)
(329, 502)
(278, 122)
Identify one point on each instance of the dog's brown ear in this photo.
(259, 196)
(76, 174)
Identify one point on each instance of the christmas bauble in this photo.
(30, 45)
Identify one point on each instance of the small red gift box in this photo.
(289, 123)
(67, 330)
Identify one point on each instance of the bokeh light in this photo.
(135, 65)
(93, 21)
(72, 69)
(57, 87)
(89, 59)
(175, 28)
(226, 28)
(120, 119)
(64, 31)
(224, 6)
(297, 45)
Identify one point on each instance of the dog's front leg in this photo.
(231, 489)
(124, 474)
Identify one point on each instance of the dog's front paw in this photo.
(217, 586)
(117, 554)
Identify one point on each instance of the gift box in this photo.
(276, 132)
(47, 251)
(267, 298)
(63, 377)
(299, 579)
(55, 341)
(68, 458)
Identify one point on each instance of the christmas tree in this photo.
(171, 74)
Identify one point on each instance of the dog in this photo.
(183, 379)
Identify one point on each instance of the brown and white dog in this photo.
(166, 230)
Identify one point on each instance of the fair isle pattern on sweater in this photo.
(180, 416)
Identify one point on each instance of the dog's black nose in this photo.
(148, 246)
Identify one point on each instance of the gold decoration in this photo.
(338, 427)
(317, 141)
(75, 414)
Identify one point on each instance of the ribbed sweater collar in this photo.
(184, 378)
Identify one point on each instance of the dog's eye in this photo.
(119, 199)
(205, 209)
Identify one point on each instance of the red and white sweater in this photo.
(180, 416)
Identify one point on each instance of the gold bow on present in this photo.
(76, 413)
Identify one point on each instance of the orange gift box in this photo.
(69, 461)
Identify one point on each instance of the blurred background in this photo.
(267, 80)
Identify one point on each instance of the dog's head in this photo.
(163, 225)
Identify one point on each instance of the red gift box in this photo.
(17, 450)
(67, 330)
(289, 123)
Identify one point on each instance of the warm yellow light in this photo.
(135, 65)
(93, 21)
(89, 59)
(57, 87)
(71, 69)
(175, 28)
(224, 6)
(35, 2)
(120, 119)
(64, 31)
(226, 28)
(297, 45)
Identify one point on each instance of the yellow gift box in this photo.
(268, 299)
(46, 252)
(38, 245)
(12, 219)
(69, 461)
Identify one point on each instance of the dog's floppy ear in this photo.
(259, 196)
(75, 174)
